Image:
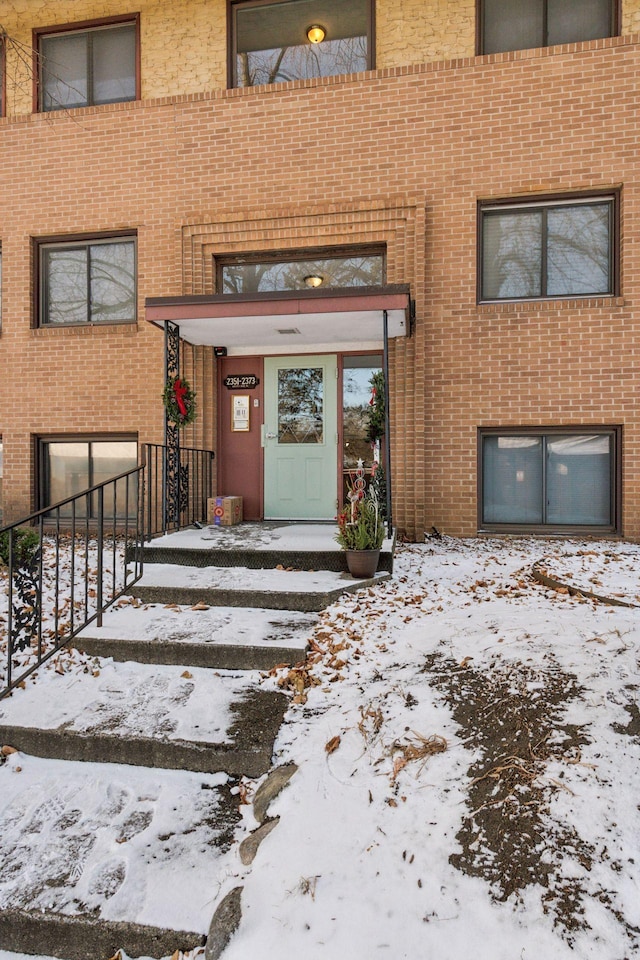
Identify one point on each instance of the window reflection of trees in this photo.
(354, 271)
(300, 405)
(356, 407)
(303, 62)
(561, 251)
(94, 283)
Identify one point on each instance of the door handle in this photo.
(270, 436)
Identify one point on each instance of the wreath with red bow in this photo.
(179, 401)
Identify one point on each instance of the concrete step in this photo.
(227, 638)
(97, 857)
(158, 716)
(267, 545)
(301, 590)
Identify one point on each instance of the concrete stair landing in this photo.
(119, 810)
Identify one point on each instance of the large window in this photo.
(328, 270)
(553, 478)
(87, 281)
(272, 42)
(70, 466)
(81, 67)
(521, 24)
(563, 248)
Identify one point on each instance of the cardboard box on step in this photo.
(224, 511)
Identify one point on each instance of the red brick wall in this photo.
(401, 156)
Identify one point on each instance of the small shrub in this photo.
(26, 543)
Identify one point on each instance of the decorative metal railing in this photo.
(176, 498)
(61, 567)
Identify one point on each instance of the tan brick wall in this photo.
(183, 43)
(421, 31)
(402, 156)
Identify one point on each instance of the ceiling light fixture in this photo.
(316, 33)
(314, 280)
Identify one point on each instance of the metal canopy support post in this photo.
(387, 437)
(171, 466)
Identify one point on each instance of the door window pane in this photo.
(271, 43)
(356, 404)
(512, 480)
(300, 405)
(579, 480)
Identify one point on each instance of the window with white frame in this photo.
(550, 478)
(548, 248)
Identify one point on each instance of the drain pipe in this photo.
(387, 438)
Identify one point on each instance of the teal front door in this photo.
(300, 438)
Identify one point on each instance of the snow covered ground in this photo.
(468, 743)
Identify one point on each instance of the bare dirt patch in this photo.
(512, 718)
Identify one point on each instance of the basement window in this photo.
(554, 479)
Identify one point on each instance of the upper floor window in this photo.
(260, 274)
(299, 39)
(87, 281)
(521, 24)
(555, 248)
(82, 67)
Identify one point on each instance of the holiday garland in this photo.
(179, 401)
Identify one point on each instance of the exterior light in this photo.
(316, 33)
(314, 280)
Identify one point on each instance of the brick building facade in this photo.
(500, 189)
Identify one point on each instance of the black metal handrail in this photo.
(64, 565)
(192, 488)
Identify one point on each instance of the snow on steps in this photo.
(144, 715)
(94, 857)
(199, 636)
(273, 589)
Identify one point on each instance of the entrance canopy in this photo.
(292, 321)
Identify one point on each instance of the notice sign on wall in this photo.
(240, 413)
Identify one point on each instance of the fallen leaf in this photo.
(6, 751)
(333, 744)
(186, 675)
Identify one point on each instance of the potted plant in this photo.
(361, 532)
